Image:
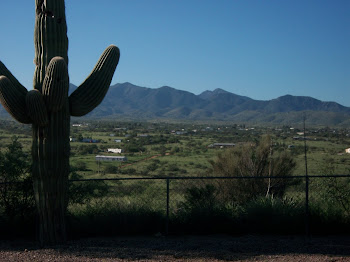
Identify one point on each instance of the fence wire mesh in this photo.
(197, 205)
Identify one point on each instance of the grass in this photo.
(190, 153)
(140, 206)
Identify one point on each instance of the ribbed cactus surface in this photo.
(48, 108)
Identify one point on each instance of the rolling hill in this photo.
(128, 101)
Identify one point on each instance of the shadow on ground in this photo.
(203, 248)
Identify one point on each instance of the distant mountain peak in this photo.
(126, 100)
(208, 94)
(166, 88)
(220, 91)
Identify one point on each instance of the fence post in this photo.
(307, 219)
(167, 207)
(307, 222)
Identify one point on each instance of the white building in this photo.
(111, 158)
(347, 150)
(222, 145)
(115, 150)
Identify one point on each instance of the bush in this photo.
(17, 197)
(333, 192)
(198, 199)
(110, 218)
(85, 191)
(110, 169)
(201, 212)
(268, 215)
(17, 205)
(87, 149)
(253, 161)
(80, 166)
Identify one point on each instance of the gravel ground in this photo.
(184, 248)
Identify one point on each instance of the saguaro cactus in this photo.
(48, 108)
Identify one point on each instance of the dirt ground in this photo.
(184, 248)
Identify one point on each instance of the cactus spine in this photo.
(48, 108)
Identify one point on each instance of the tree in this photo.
(16, 193)
(49, 108)
(253, 161)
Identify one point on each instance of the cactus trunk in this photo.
(49, 108)
(50, 151)
(50, 148)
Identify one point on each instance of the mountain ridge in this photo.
(126, 100)
(167, 102)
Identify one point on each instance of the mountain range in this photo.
(128, 101)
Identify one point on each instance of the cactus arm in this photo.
(56, 84)
(12, 97)
(36, 108)
(92, 91)
(5, 72)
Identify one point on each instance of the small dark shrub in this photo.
(268, 215)
(80, 166)
(82, 192)
(110, 169)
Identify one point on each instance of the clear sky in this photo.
(262, 49)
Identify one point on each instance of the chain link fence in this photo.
(310, 204)
(204, 205)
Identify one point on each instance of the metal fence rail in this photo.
(163, 194)
(169, 179)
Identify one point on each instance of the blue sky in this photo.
(262, 49)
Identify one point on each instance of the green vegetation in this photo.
(254, 161)
(202, 205)
(16, 199)
(171, 149)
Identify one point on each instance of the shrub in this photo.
(17, 205)
(200, 198)
(111, 169)
(16, 197)
(80, 165)
(87, 149)
(85, 191)
(253, 161)
(334, 192)
(110, 217)
(270, 215)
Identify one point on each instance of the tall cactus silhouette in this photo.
(48, 108)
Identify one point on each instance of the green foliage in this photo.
(254, 161)
(139, 206)
(109, 217)
(134, 146)
(80, 165)
(87, 149)
(83, 192)
(334, 192)
(130, 171)
(271, 215)
(16, 194)
(199, 199)
(110, 169)
(153, 166)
